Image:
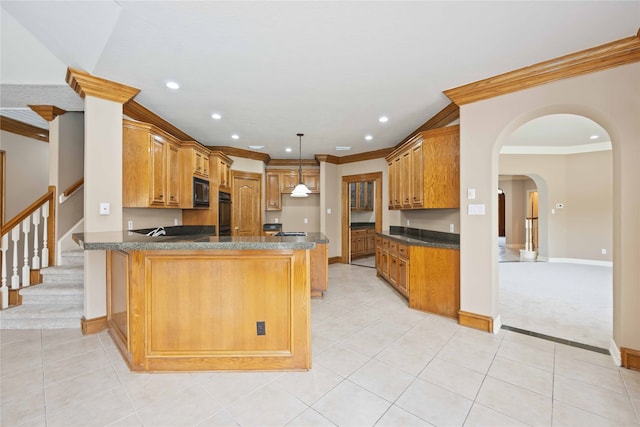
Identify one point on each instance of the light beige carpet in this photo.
(569, 301)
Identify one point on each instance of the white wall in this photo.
(24, 183)
(611, 98)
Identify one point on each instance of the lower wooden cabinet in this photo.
(428, 277)
(362, 242)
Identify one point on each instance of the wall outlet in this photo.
(408, 222)
(260, 328)
(328, 211)
(451, 228)
(306, 220)
(129, 225)
(604, 251)
(276, 220)
(175, 221)
(105, 208)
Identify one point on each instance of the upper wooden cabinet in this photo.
(151, 167)
(223, 171)
(425, 172)
(361, 195)
(283, 181)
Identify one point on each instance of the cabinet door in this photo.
(173, 175)
(273, 197)
(379, 260)
(393, 269)
(353, 195)
(385, 263)
(158, 172)
(311, 179)
(397, 202)
(403, 276)
(370, 241)
(288, 181)
(391, 167)
(406, 180)
(417, 175)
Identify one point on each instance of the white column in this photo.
(102, 183)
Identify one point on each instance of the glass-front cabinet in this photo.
(361, 195)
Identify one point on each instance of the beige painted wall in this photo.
(330, 223)
(583, 184)
(612, 99)
(515, 202)
(431, 219)
(70, 135)
(24, 184)
(295, 210)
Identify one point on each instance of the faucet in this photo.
(157, 232)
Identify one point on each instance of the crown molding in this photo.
(328, 158)
(85, 84)
(293, 162)
(47, 112)
(369, 155)
(139, 112)
(442, 118)
(20, 128)
(239, 152)
(613, 54)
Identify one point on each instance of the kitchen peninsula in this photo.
(200, 302)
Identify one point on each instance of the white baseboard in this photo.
(582, 261)
(615, 353)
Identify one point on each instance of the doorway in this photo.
(362, 224)
(568, 293)
(376, 179)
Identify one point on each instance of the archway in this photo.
(569, 294)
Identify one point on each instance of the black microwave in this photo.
(200, 193)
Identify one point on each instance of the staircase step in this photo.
(63, 274)
(53, 293)
(41, 316)
(72, 257)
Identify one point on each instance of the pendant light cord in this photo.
(300, 135)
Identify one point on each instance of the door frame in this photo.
(346, 208)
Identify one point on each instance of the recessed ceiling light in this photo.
(593, 137)
(288, 149)
(216, 116)
(235, 136)
(256, 147)
(342, 148)
(173, 85)
(368, 137)
(383, 119)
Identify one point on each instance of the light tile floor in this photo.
(375, 362)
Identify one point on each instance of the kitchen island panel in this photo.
(197, 310)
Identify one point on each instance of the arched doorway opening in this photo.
(568, 293)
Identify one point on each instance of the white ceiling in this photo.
(273, 69)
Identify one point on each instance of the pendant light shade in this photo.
(301, 190)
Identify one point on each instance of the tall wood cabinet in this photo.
(151, 167)
(425, 172)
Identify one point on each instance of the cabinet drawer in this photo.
(393, 246)
(403, 250)
(385, 244)
(378, 241)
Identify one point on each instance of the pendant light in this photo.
(301, 190)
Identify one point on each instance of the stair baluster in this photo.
(26, 270)
(4, 289)
(45, 234)
(35, 261)
(15, 278)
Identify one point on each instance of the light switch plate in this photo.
(471, 193)
(476, 210)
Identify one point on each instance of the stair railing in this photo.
(18, 230)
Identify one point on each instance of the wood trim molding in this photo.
(441, 119)
(47, 112)
(85, 84)
(20, 128)
(93, 326)
(140, 113)
(328, 158)
(335, 260)
(475, 321)
(293, 162)
(613, 54)
(239, 152)
(630, 358)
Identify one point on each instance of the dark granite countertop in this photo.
(418, 237)
(129, 240)
(361, 225)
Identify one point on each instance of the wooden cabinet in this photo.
(370, 246)
(425, 172)
(223, 171)
(362, 242)
(428, 277)
(151, 167)
(361, 195)
(283, 181)
(273, 197)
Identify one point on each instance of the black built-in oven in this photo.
(224, 214)
(200, 193)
